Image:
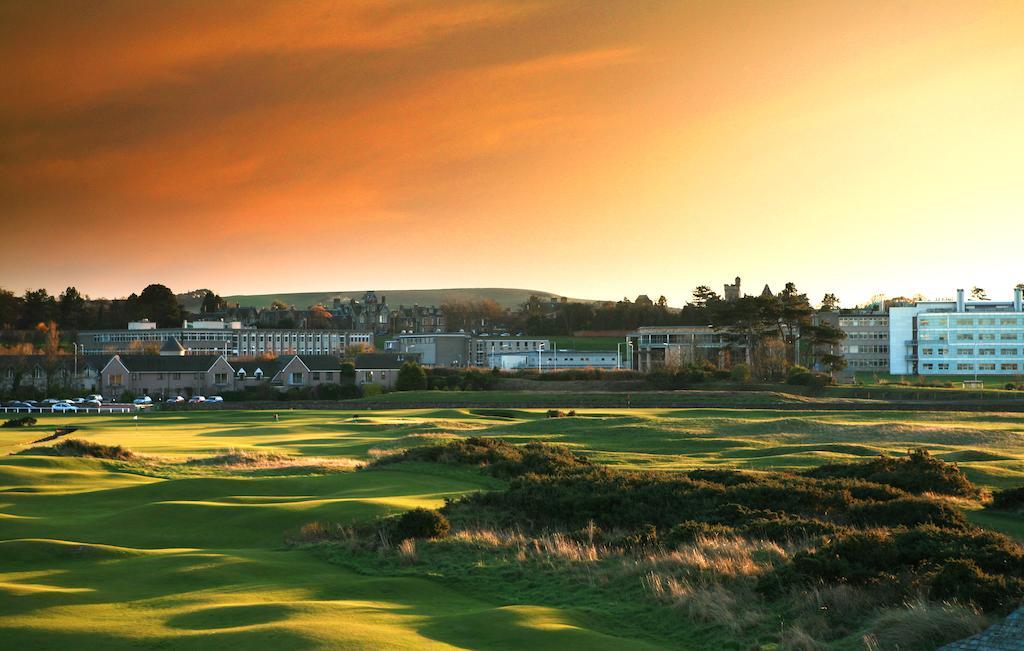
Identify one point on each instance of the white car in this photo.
(92, 404)
(142, 400)
(94, 396)
(215, 399)
(49, 401)
(63, 407)
(174, 400)
(76, 401)
(195, 400)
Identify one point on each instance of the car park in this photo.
(63, 407)
(195, 400)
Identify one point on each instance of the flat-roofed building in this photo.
(485, 351)
(654, 347)
(448, 349)
(866, 346)
(958, 337)
(555, 360)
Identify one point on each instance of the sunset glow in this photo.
(590, 149)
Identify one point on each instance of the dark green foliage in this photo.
(24, 421)
(798, 375)
(917, 473)
(411, 377)
(962, 580)
(908, 511)
(80, 448)
(690, 530)
(421, 523)
(500, 458)
(1011, 499)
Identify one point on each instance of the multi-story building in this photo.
(653, 347)
(417, 319)
(449, 349)
(866, 346)
(958, 337)
(221, 338)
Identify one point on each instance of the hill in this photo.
(505, 297)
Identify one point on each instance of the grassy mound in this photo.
(499, 458)
(80, 448)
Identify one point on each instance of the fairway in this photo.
(159, 553)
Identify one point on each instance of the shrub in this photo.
(1011, 499)
(80, 448)
(371, 390)
(798, 375)
(907, 512)
(962, 580)
(501, 458)
(411, 377)
(689, 531)
(24, 421)
(740, 374)
(918, 473)
(421, 523)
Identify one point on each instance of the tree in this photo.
(70, 309)
(37, 307)
(10, 308)
(279, 305)
(829, 303)
(411, 377)
(978, 294)
(703, 296)
(212, 303)
(159, 304)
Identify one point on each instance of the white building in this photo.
(958, 337)
(560, 360)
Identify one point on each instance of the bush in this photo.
(371, 390)
(963, 581)
(1011, 499)
(798, 375)
(740, 374)
(500, 458)
(917, 473)
(80, 448)
(24, 421)
(411, 377)
(421, 523)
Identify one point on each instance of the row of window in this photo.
(854, 350)
(970, 352)
(867, 335)
(1009, 367)
(972, 336)
(945, 322)
(861, 322)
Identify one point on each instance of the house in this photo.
(380, 368)
(77, 373)
(654, 347)
(368, 314)
(167, 376)
(300, 371)
(418, 319)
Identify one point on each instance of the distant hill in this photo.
(506, 297)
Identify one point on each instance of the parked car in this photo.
(63, 407)
(174, 400)
(19, 404)
(92, 404)
(195, 400)
(31, 402)
(76, 401)
(142, 400)
(215, 399)
(49, 402)
(94, 396)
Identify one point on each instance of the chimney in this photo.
(1018, 299)
(960, 300)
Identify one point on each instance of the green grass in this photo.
(98, 554)
(989, 381)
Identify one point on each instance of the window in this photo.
(220, 378)
(295, 378)
(1009, 367)
(965, 322)
(927, 351)
(986, 367)
(176, 376)
(965, 336)
(929, 367)
(986, 351)
(943, 367)
(965, 367)
(987, 336)
(315, 376)
(1007, 351)
(1008, 336)
(964, 351)
(1007, 321)
(116, 379)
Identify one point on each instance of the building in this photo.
(732, 292)
(448, 349)
(866, 346)
(28, 374)
(958, 337)
(555, 360)
(380, 368)
(368, 314)
(487, 351)
(654, 347)
(232, 339)
(166, 376)
(418, 319)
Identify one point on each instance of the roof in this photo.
(157, 364)
(382, 360)
(172, 345)
(321, 362)
(268, 366)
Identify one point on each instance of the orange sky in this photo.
(593, 149)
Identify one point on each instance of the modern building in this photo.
(958, 337)
(486, 351)
(448, 349)
(654, 347)
(866, 346)
(555, 360)
(219, 338)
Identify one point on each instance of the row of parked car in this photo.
(194, 400)
(91, 401)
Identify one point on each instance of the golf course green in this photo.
(182, 547)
